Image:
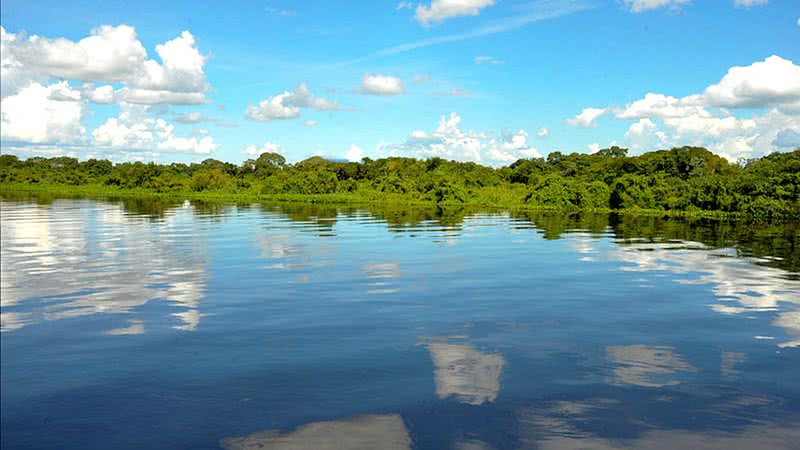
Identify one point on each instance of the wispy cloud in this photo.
(533, 12)
(487, 60)
(455, 92)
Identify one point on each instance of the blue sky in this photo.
(465, 79)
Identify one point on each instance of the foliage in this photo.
(683, 180)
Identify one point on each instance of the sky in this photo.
(489, 81)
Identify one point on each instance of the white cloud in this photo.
(191, 117)
(381, 85)
(660, 105)
(593, 147)
(707, 119)
(354, 153)
(788, 138)
(181, 69)
(772, 82)
(175, 144)
(117, 133)
(587, 117)
(543, 132)
(749, 3)
(131, 131)
(638, 6)
(404, 5)
(267, 147)
(440, 10)
(487, 60)
(13, 74)
(111, 54)
(287, 105)
(450, 142)
(311, 123)
(277, 107)
(102, 94)
(43, 114)
(727, 136)
(640, 128)
(511, 147)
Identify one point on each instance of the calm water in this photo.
(128, 324)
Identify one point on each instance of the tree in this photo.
(613, 152)
(268, 163)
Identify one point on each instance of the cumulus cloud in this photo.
(440, 10)
(266, 147)
(772, 82)
(707, 119)
(728, 136)
(287, 105)
(102, 94)
(311, 123)
(404, 5)
(449, 141)
(640, 128)
(277, 107)
(120, 133)
(111, 54)
(354, 153)
(543, 132)
(787, 138)
(381, 85)
(587, 117)
(175, 144)
(662, 106)
(130, 131)
(638, 6)
(43, 115)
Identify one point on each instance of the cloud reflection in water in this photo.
(75, 259)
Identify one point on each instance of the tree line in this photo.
(685, 179)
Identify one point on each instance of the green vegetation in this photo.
(687, 180)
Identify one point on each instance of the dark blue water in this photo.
(136, 324)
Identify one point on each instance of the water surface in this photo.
(141, 324)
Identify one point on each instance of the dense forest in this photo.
(686, 179)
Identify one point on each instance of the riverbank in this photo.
(343, 199)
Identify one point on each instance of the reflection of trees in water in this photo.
(770, 246)
(777, 243)
(359, 433)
